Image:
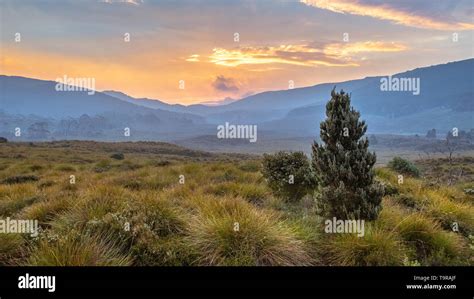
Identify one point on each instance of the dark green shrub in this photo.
(117, 156)
(404, 166)
(20, 179)
(288, 174)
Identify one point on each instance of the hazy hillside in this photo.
(155, 104)
(30, 96)
(444, 101)
(44, 113)
(445, 85)
(198, 109)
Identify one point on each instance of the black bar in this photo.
(219, 282)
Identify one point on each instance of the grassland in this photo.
(156, 204)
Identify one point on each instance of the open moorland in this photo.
(157, 204)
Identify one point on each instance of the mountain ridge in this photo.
(445, 101)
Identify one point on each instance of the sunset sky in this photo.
(194, 41)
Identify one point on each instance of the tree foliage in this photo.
(343, 164)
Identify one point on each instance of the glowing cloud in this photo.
(348, 49)
(193, 58)
(386, 12)
(301, 55)
(334, 54)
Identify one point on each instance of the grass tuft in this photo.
(232, 232)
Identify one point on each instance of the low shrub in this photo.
(404, 166)
(288, 174)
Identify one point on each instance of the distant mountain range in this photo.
(25, 103)
(445, 100)
(219, 102)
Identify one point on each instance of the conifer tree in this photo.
(343, 164)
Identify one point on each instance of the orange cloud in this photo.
(301, 55)
(347, 49)
(385, 12)
(193, 58)
(334, 54)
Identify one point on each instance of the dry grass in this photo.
(230, 231)
(135, 211)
